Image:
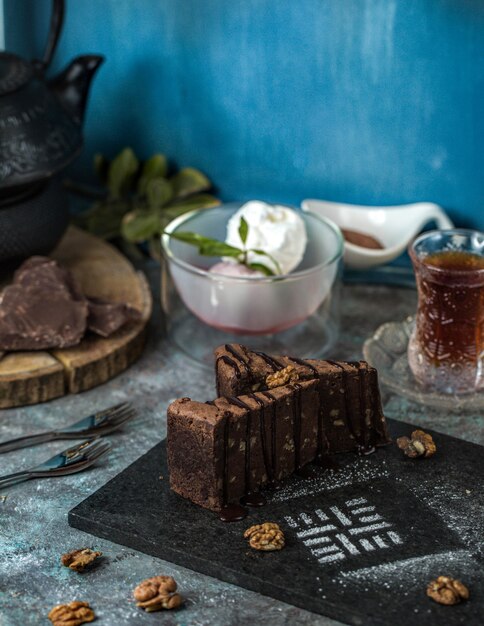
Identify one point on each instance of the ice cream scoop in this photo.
(277, 230)
(228, 268)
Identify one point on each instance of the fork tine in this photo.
(113, 410)
(103, 447)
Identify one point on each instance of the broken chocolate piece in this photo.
(105, 317)
(45, 308)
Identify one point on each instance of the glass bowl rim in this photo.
(450, 231)
(175, 223)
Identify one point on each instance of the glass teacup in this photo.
(446, 348)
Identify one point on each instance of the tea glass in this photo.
(446, 347)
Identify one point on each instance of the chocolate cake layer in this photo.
(351, 415)
(221, 451)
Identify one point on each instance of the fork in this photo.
(74, 459)
(95, 425)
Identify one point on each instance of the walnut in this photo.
(79, 559)
(267, 536)
(420, 444)
(72, 614)
(282, 377)
(157, 593)
(447, 590)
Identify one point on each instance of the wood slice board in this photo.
(102, 271)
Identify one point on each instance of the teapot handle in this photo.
(56, 21)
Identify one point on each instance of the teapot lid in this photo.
(14, 72)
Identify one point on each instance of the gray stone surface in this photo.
(33, 516)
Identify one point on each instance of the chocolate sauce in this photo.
(229, 512)
(276, 365)
(263, 438)
(233, 365)
(362, 445)
(254, 499)
(305, 364)
(249, 499)
(235, 354)
(296, 424)
(272, 480)
(233, 513)
(322, 442)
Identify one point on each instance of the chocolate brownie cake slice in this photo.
(225, 450)
(351, 416)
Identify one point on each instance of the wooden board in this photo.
(102, 271)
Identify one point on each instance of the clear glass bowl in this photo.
(295, 313)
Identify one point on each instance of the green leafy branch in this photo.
(138, 199)
(213, 247)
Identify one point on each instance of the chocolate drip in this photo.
(347, 417)
(274, 363)
(239, 358)
(249, 498)
(361, 436)
(229, 512)
(269, 395)
(366, 447)
(296, 424)
(305, 364)
(226, 359)
(322, 444)
(263, 438)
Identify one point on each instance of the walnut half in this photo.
(78, 560)
(447, 590)
(267, 536)
(282, 377)
(72, 614)
(156, 593)
(420, 444)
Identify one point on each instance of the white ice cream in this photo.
(276, 229)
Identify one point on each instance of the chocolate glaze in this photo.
(232, 364)
(272, 474)
(249, 499)
(296, 424)
(274, 363)
(229, 512)
(323, 445)
(361, 436)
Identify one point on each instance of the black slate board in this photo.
(361, 543)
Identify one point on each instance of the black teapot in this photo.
(40, 133)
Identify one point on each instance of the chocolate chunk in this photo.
(45, 308)
(32, 318)
(105, 317)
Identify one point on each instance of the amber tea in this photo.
(446, 349)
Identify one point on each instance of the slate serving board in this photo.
(361, 542)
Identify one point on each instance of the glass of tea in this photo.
(446, 348)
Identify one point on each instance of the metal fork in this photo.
(70, 461)
(95, 425)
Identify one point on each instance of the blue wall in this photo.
(365, 101)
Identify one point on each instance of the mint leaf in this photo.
(205, 245)
(243, 230)
(269, 256)
(261, 268)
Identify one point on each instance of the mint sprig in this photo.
(213, 247)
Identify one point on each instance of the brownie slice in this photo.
(351, 415)
(221, 451)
